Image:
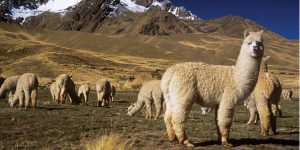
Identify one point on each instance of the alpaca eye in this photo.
(249, 43)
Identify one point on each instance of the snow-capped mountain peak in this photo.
(117, 7)
(57, 6)
(132, 6)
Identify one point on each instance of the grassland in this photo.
(67, 126)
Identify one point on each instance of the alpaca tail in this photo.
(165, 84)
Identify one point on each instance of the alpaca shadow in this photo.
(288, 133)
(50, 108)
(121, 102)
(250, 141)
(285, 117)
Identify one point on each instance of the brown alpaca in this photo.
(266, 96)
(216, 86)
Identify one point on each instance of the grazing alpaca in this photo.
(62, 87)
(264, 100)
(113, 93)
(287, 94)
(150, 93)
(103, 89)
(216, 86)
(9, 85)
(27, 87)
(83, 92)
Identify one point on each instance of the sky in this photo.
(280, 16)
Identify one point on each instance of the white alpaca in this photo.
(83, 92)
(103, 89)
(62, 87)
(216, 86)
(27, 87)
(150, 93)
(9, 85)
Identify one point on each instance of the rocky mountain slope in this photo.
(147, 17)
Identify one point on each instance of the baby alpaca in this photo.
(216, 86)
(103, 89)
(83, 92)
(149, 93)
(264, 100)
(9, 85)
(27, 87)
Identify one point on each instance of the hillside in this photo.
(90, 56)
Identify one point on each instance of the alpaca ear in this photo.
(261, 31)
(246, 33)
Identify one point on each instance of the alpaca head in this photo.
(264, 64)
(253, 44)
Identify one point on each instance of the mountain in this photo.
(89, 15)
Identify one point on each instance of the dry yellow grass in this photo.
(109, 142)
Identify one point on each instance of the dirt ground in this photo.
(67, 126)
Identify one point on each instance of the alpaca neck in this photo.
(139, 105)
(246, 73)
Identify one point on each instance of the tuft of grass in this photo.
(109, 142)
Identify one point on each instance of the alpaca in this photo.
(83, 92)
(9, 85)
(216, 86)
(27, 87)
(287, 94)
(113, 93)
(149, 93)
(103, 89)
(63, 87)
(264, 99)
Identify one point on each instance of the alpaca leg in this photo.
(274, 118)
(33, 98)
(148, 109)
(21, 100)
(178, 121)
(252, 116)
(158, 107)
(57, 96)
(169, 126)
(63, 95)
(85, 98)
(216, 122)
(224, 119)
(27, 98)
(264, 111)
